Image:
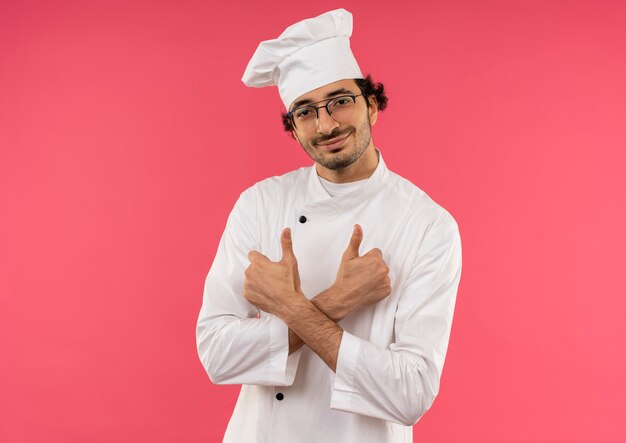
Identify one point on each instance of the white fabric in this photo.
(307, 55)
(334, 189)
(391, 355)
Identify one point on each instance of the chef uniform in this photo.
(391, 354)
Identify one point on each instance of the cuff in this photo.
(343, 385)
(282, 368)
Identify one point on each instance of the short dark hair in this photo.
(368, 88)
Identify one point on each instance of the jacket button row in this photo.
(302, 219)
(279, 396)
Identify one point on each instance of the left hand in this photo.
(269, 285)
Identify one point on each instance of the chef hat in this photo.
(307, 55)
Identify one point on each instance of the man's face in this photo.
(330, 143)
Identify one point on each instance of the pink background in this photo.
(126, 136)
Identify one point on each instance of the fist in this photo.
(362, 280)
(268, 285)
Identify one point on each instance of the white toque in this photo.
(307, 55)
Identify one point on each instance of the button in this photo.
(279, 396)
(302, 219)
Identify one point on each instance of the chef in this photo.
(332, 292)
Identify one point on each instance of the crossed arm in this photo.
(274, 287)
(328, 305)
(397, 382)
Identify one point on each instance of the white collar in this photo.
(319, 200)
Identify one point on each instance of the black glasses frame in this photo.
(317, 108)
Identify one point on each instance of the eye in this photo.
(304, 113)
(341, 101)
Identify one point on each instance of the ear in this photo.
(373, 109)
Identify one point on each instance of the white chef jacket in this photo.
(391, 354)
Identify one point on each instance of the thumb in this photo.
(289, 257)
(352, 251)
(287, 245)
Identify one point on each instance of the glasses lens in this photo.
(342, 108)
(304, 118)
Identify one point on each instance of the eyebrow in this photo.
(329, 95)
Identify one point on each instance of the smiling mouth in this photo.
(335, 142)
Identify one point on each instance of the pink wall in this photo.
(125, 140)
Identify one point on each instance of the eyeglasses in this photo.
(340, 109)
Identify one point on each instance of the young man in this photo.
(330, 345)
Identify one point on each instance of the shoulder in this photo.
(279, 185)
(435, 228)
(265, 194)
(419, 205)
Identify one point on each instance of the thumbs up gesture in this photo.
(269, 285)
(361, 280)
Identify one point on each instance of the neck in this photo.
(361, 169)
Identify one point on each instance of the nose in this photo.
(325, 122)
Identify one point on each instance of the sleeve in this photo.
(234, 343)
(399, 384)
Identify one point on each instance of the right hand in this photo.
(361, 280)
